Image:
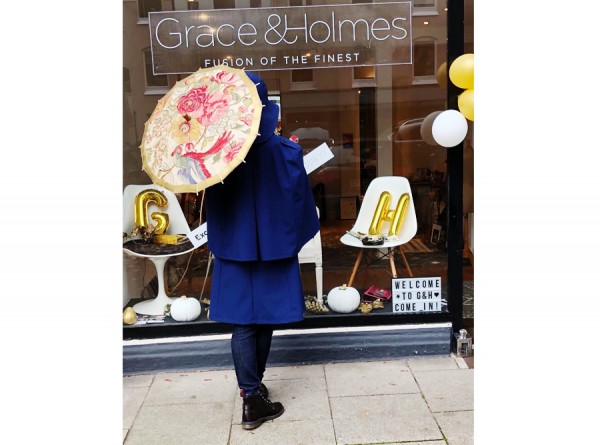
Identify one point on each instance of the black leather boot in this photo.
(256, 409)
(262, 389)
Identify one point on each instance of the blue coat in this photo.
(257, 222)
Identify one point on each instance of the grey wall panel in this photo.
(295, 349)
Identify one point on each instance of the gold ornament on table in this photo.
(377, 304)
(312, 304)
(129, 316)
(365, 307)
(382, 214)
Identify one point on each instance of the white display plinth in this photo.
(156, 306)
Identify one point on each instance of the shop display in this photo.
(365, 307)
(462, 73)
(373, 212)
(449, 128)
(378, 304)
(343, 299)
(140, 211)
(185, 309)
(201, 129)
(466, 104)
(382, 214)
(377, 293)
(425, 129)
(129, 316)
(312, 304)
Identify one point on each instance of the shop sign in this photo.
(199, 235)
(411, 295)
(282, 38)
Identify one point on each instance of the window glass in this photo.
(369, 116)
(146, 6)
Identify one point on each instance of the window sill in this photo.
(302, 86)
(425, 81)
(155, 91)
(425, 13)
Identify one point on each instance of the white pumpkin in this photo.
(343, 299)
(185, 309)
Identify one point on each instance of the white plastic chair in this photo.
(312, 252)
(396, 186)
(177, 225)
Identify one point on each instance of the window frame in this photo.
(152, 90)
(430, 78)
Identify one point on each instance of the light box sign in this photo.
(411, 295)
(282, 38)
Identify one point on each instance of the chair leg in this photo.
(319, 276)
(410, 274)
(392, 264)
(210, 258)
(351, 280)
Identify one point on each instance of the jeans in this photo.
(250, 346)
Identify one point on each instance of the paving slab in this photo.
(462, 364)
(432, 363)
(303, 399)
(138, 381)
(457, 426)
(303, 432)
(450, 390)
(423, 442)
(132, 402)
(185, 424)
(193, 387)
(294, 372)
(369, 378)
(383, 418)
(125, 434)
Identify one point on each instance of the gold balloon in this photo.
(399, 214)
(140, 210)
(462, 72)
(466, 104)
(382, 213)
(442, 76)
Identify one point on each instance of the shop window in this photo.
(302, 80)
(126, 81)
(154, 84)
(424, 61)
(146, 6)
(425, 7)
(363, 76)
(225, 4)
(192, 5)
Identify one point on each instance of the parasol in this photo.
(201, 129)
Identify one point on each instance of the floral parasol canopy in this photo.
(201, 129)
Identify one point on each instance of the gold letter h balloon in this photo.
(382, 213)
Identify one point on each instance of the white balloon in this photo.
(449, 128)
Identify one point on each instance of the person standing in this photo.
(258, 219)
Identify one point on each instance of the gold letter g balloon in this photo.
(140, 210)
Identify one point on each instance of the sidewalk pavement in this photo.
(425, 400)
